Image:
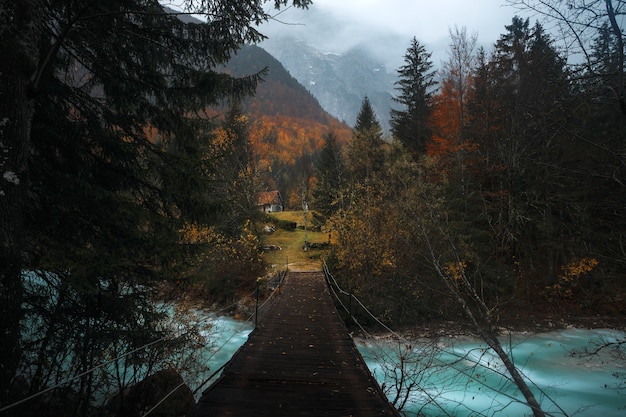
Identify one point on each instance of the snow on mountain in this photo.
(339, 81)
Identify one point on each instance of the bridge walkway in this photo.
(299, 361)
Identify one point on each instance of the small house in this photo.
(270, 201)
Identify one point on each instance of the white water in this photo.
(224, 338)
(579, 386)
(582, 387)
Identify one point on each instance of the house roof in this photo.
(269, 197)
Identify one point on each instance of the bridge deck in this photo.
(299, 361)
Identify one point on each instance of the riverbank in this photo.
(531, 325)
(464, 378)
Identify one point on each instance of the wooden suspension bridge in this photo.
(299, 361)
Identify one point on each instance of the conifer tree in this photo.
(365, 155)
(366, 119)
(106, 95)
(330, 177)
(409, 124)
(577, 22)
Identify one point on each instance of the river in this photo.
(467, 379)
(463, 378)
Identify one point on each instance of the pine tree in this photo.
(100, 100)
(330, 177)
(366, 119)
(409, 124)
(365, 156)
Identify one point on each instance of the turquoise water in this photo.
(461, 377)
(224, 338)
(464, 378)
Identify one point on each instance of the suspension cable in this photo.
(101, 365)
(274, 291)
(437, 348)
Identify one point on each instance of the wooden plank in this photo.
(299, 361)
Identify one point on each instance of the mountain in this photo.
(281, 101)
(279, 93)
(289, 123)
(338, 81)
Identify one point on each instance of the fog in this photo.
(386, 27)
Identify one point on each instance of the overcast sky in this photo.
(387, 26)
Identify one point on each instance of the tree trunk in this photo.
(487, 333)
(519, 381)
(480, 317)
(617, 31)
(20, 31)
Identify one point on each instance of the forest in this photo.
(503, 182)
(132, 160)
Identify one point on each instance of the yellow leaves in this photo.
(193, 234)
(455, 270)
(388, 260)
(222, 139)
(577, 268)
(571, 276)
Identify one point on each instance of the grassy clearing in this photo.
(292, 243)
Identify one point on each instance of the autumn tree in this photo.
(449, 115)
(373, 258)
(237, 171)
(358, 224)
(409, 124)
(457, 71)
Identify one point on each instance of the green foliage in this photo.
(116, 158)
(498, 216)
(364, 157)
(327, 194)
(415, 86)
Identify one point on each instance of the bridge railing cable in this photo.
(198, 325)
(332, 283)
(436, 348)
(274, 285)
(347, 310)
(80, 375)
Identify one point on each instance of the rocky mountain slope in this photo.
(338, 81)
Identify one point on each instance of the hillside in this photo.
(338, 80)
(289, 123)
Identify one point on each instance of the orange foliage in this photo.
(447, 142)
(280, 141)
(445, 121)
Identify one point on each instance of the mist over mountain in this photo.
(339, 81)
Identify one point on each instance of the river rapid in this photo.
(460, 376)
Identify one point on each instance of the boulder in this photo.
(141, 397)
